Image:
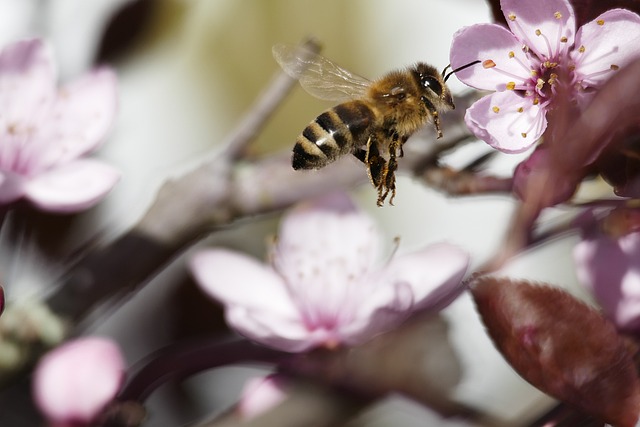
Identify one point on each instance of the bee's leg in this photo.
(360, 154)
(398, 141)
(390, 179)
(434, 113)
(376, 168)
(376, 164)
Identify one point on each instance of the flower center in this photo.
(546, 79)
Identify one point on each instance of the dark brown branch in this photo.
(463, 183)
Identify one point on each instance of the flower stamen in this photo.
(546, 40)
(524, 66)
(511, 75)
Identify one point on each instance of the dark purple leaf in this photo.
(561, 346)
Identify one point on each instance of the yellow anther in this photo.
(581, 49)
(600, 22)
(539, 84)
(511, 16)
(511, 85)
(614, 67)
(538, 32)
(557, 15)
(524, 134)
(534, 73)
(520, 110)
(536, 101)
(511, 54)
(496, 109)
(563, 39)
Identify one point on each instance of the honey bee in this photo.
(374, 118)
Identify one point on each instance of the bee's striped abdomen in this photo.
(331, 135)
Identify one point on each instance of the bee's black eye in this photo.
(432, 83)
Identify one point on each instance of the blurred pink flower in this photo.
(608, 264)
(73, 383)
(261, 394)
(45, 132)
(526, 63)
(322, 288)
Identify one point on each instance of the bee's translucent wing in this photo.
(318, 75)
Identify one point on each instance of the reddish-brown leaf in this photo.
(561, 346)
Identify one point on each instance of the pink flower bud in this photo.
(73, 383)
(261, 394)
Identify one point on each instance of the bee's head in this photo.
(434, 87)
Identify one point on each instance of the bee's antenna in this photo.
(458, 69)
(445, 70)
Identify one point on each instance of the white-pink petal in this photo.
(271, 328)
(70, 187)
(433, 273)
(388, 305)
(75, 381)
(319, 226)
(492, 42)
(553, 19)
(238, 280)
(83, 113)
(27, 82)
(506, 121)
(610, 42)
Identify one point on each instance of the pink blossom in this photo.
(609, 266)
(526, 65)
(45, 132)
(73, 383)
(261, 394)
(321, 287)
